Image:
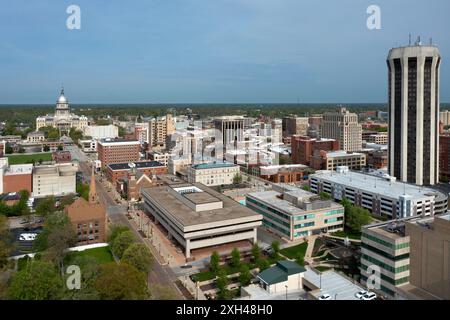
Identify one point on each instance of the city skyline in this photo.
(234, 52)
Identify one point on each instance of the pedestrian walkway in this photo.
(310, 248)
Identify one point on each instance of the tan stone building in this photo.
(344, 127)
(158, 130)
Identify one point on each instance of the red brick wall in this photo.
(17, 182)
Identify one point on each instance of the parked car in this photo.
(369, 296)
(360, 294)
(27, 236)
(325, 296)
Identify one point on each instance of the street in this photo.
(160, 274)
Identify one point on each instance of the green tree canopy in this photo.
(121, 282)
(138, 255)
(214, 262)
(114, 231)
(46, 206)
(222, 283)
(245, 276)
(235, 258)
(122, 242)
(38, 281)
(256, 252)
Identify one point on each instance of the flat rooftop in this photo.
(376, 184)
(342, 153)
(215, 165)
(137, 165)
(332, 283)
(187, 217)
(271, 197)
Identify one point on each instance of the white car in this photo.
(360, 294)
(325, 296)
(27, 236)
(369, 296)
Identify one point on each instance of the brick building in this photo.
(284, 173)
(61, 156)
(117, 151)
(88, 217)
(118, 171)
(18, 177)
(130, 186)
(303, 148)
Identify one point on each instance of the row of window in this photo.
(395, 282)
(384, 265)
(385, 243)
(385, 254)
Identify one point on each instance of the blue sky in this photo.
(175, 51)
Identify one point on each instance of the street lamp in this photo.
(286, 290)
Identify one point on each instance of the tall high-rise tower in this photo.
(414, 113)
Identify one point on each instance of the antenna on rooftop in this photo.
(431, 41)
(410, 39)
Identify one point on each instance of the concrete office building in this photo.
(199, 217)
(385, 246)
(294, 213)
(88, 145)
(323, 160)
(35, 136)
(213, 174)
(444, 117)
(229, 130)
(430, 255)
(379, 138)
(295, 126)
(117, 151)
(101, 132)
(54, 180)
(158, 130)
(380, 194)
(344, 127)
(414, 113)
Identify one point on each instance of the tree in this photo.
(9, 149)
(58, 241)
(39, 281)
(46, 206)
(275, 245)
(54, 221)
(122, 242)
(325, 196)
(75, 135)
(66, 200)
(235, 258)
(300, 259)
(237, 179)
(355, 217)
(5, 246)
(121, 282)
(83, 190)
(46, 148)
(89, 272)
(306, 187)
(245, 276)
(256, 252)
(114, 231)
(262, 264)
(138, 256)
(222, 283)
(214, 262)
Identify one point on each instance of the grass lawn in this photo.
(350, 235)
(295, 251)
(29, 158)
(322, 268)
(103, 255)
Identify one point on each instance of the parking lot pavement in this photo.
(22, 246)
